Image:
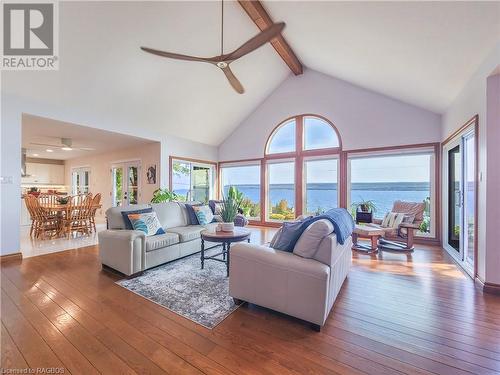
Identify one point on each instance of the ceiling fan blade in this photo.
(237, 86)
(177, 56)
(257, 41)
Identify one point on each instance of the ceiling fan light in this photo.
(49, 150)
(66, 148)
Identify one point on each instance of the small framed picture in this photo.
(151, 174)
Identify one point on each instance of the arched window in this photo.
(319, 134)
(283, 138)
(302, 168)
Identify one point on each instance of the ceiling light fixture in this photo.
(35, 155)
(49, 150)
(66, 148)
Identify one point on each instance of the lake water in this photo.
(324, 196)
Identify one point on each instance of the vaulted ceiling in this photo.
(419, 52)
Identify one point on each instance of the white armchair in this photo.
(285, 282)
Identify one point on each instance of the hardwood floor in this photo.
(396, 314)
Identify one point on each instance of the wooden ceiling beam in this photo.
(261, 18)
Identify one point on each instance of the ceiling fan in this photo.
(223, 60)
(66, 144)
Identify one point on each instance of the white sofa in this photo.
(131, 252)
(305, 288)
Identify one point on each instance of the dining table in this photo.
(59, 210)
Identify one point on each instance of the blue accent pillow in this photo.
(128, 224)
(193, 220)
(290, 232)
(147, 223)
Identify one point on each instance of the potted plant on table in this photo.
(229, 209)
(363, 211)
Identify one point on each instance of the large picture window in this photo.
(246, 180)
(301, 159)
(192, 180)
(281, 190)
(321, 176)
(385, 178)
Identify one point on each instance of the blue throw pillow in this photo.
(193, 220)
(128, 224)
(147, 223)
(290, 232)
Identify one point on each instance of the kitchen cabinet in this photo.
(44, 174)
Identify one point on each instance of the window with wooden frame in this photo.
(193, 180)
(383, 177)
(246, 178)
(302, 168)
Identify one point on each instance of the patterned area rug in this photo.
(184, 288)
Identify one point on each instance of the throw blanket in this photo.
(342, 222)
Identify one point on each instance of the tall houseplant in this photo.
(229, 209)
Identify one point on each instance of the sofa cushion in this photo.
(309, 240)
(161, 240)
(115, 218)
(170, 214)
(188, 233)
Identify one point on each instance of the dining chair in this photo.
(28, 201)
(44, 222)
(77, 215)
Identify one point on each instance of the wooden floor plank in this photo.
(34, 349)
(11, 357)
(396, 314)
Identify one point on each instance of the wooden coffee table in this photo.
(373, 232)
(225, 238)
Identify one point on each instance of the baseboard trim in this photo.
(490, 288)
(11, 257)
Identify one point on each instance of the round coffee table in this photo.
(225, 238)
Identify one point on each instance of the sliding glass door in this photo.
(454, 196)
(460, 199)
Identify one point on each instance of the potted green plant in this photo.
(229, 209)
(164, 195)
(363, 210)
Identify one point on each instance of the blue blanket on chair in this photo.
(342, 222)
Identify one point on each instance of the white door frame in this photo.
(125, 188)
(459, 256)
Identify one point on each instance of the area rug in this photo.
(184, 288)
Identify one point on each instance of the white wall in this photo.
(100, 176)
(493, 183)
(364, 118)
(472, 101)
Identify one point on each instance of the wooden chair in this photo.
(401, 238)
(95, 203)
(77, 215)
(44, 221)
(28, 200)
